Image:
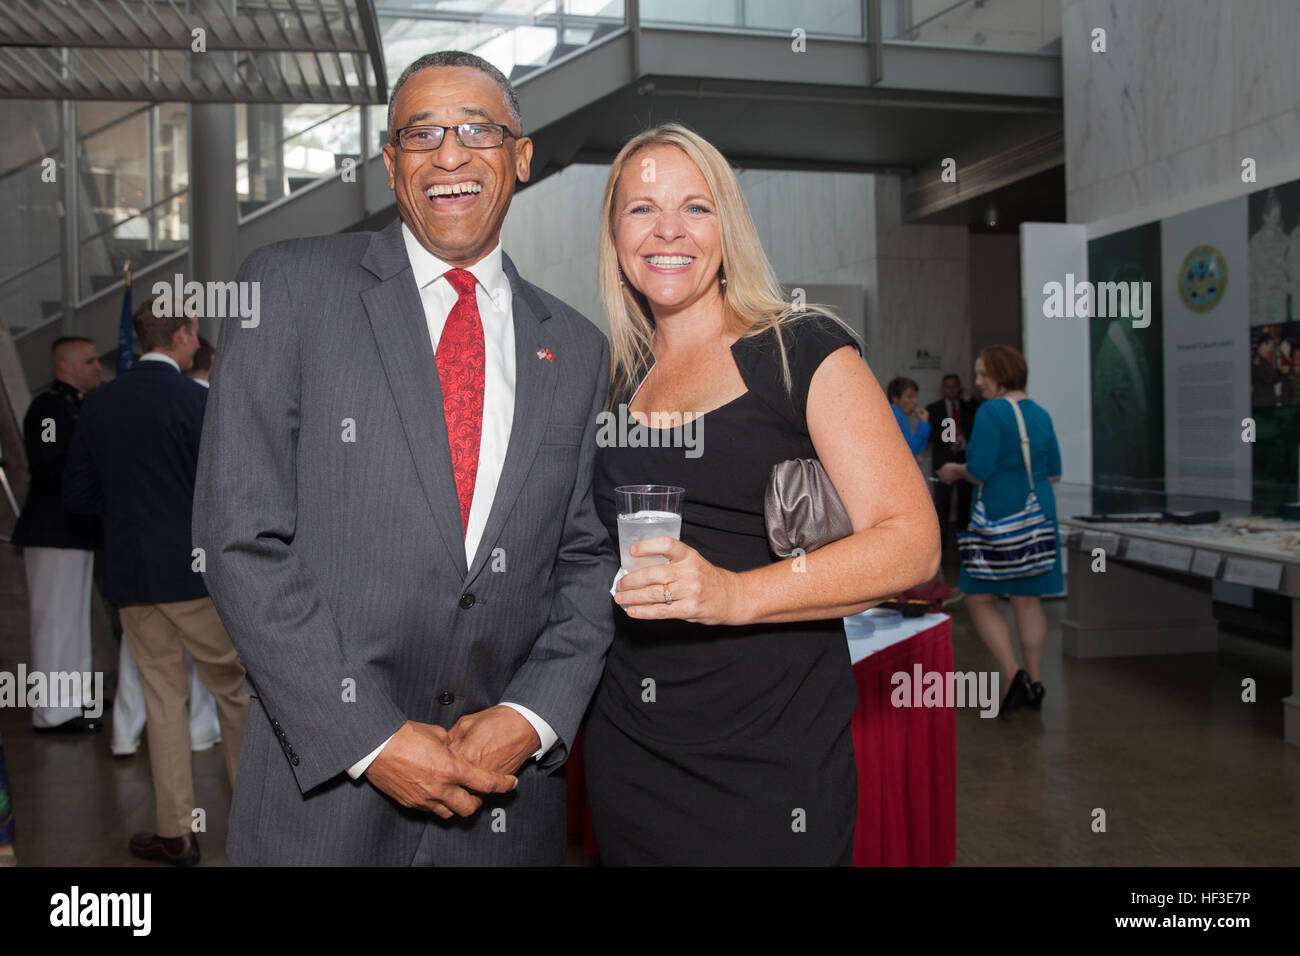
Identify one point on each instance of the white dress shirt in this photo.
(159, 357)
(497, 313)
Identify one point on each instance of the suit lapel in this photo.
(401, 332)
(534, 385)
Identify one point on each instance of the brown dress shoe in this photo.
(178, 851)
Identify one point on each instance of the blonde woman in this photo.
(720, 733)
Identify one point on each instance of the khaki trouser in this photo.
(157, 634)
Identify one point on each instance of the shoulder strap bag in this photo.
(1021, 545)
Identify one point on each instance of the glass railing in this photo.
(153, 233)
(836, 18)
(518, 37)
(31, 278)
(133, 159)
(132, 174)
(31, 211)
(1010, 25)
(33, 294)
(317, 141)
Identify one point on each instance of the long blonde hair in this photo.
(752, 297)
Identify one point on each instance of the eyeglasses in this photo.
(420, 139)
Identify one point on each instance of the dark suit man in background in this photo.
(133, 459)
(948, 443)
(201, 370)
(395, 494)
(58, 547)
(129, 712)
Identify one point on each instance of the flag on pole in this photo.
(125, 351)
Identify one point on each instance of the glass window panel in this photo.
(689, 12)
(838, 18)
(32, 208)
(595, 8)
(406, 40)
(142, 239)
(828, 17)
(259, 164)
(171, 150)
(31, 132)
(31, 280)
(291, 145)
(114, 174)
(378, 128)
(1024, 25)
(31, 297)
(93, 115)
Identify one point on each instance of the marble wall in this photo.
(919, 299)
(995, 301)
(1160, 122)
(819, 229)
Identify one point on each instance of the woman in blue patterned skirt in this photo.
(994, 460)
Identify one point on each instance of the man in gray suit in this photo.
(394, 496)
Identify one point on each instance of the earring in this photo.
(722, 279)
(620, 276)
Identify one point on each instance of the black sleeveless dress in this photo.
(744, 755)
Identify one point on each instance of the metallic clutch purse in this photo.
(801, 509)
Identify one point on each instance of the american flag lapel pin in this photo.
(545, 354)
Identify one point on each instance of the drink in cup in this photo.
(647, 511)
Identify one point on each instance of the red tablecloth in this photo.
(907, 763)
(907, 760)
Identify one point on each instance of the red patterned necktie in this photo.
(461, 362)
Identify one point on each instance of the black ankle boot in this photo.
(1018, 695)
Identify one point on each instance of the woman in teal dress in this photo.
(995, 462)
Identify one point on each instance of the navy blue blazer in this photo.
(133, 459)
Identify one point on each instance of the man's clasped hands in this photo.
(446, 772)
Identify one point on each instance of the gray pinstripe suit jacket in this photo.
(339, 566)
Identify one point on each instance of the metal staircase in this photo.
(879, 85)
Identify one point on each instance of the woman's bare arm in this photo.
(894, 546)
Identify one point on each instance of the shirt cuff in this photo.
(358, 768)
(545, 734)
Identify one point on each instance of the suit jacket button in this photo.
(466, 601)
(446, 698)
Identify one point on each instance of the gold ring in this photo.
(668, 595)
